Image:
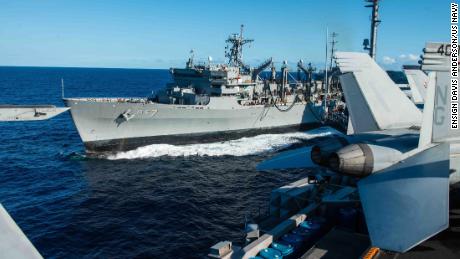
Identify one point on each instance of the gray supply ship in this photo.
(204, 103)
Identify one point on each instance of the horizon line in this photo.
(125, 68)
(34, 66)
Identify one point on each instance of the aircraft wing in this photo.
(14, 244)
(29, 112)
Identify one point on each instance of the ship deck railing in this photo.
(112, 99)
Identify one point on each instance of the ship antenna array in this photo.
(375, 21)
(234, 49)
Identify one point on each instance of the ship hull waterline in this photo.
(120, 145)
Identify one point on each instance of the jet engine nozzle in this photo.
(363, 159)
(320, 152)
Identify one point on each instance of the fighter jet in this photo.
(403, 160)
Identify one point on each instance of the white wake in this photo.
(240, 147)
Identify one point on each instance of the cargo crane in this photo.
(309, 72)
(257, 70)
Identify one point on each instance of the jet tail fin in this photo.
(408, 202)
(372, 96)
(418, 81)
(437, 125)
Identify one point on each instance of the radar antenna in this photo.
(234, 49)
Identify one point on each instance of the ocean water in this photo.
(157, 201)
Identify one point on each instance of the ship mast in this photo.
(374, 4)
(234, 49)
(333, 49)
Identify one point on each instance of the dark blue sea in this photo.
(159, 201)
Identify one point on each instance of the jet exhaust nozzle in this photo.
(320, 152)
(363, 159)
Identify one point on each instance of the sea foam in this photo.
(240, 147)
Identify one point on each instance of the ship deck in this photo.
(339, 243)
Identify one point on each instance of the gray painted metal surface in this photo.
(408, 202)
(13, 243)
(29, 112)
(370, 88)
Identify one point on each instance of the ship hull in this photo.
(111, 125)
